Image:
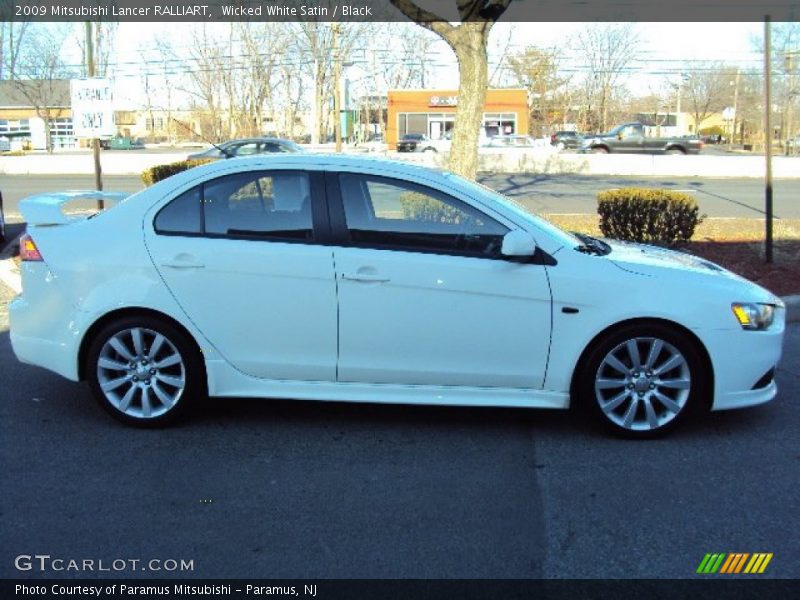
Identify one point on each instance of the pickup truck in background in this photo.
(636, 138)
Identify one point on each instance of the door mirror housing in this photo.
(518, 243)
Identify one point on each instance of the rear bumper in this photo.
(54, 356)
(44, 324)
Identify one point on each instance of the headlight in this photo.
(752, 316)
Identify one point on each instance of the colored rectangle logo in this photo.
(733, 563)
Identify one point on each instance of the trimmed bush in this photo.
(714, 130)
(648, 215)
(159, 172)
(419, 207)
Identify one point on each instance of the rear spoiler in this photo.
(45, 209)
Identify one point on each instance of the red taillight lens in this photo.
(28, 250)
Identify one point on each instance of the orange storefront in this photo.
(432, 112)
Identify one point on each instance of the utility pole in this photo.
(735, 102)
(768, 135)
(90, 72)
(337, 75)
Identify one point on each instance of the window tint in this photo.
(182, 215)
(274, 205)
(391, 213)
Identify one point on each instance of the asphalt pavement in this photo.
(274, 489)
(542, 194)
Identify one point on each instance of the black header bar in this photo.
(382, 10)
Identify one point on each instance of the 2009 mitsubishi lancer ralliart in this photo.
(343, 278)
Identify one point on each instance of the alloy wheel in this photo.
(141, 373)
(643, 384)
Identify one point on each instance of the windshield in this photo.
(556, 233)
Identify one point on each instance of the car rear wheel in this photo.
(144, 371)
(641, 381)
(599, 150)
(675, 151)
(429, 149)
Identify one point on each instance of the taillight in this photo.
(28, 250)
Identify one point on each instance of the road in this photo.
(274, 489)
(543, 194)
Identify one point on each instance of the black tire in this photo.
(430, 149)
(596, 381)
(675, 151)
(159, 380)
(599, 150)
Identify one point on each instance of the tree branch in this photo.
(426, 18)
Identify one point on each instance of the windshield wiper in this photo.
(591, 245)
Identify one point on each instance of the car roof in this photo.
(255, 139)
(311, 160)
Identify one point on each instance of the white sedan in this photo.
(357, 279)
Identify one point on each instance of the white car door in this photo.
(425, 298)
(239, 255)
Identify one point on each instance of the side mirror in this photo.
(518, 243)
(620, 135)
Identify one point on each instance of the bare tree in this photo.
(104, 36)
(39, 74)
(469, 43)
(608, 50)
(786, 67)
(707, 90)
(319, 49)
(537, 70)
(12, 36)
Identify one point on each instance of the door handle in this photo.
(364, 277)
(182, 264)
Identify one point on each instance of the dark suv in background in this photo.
(566, 139)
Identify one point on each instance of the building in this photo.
(26, 108)
(432, 112)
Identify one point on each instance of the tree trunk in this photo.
(469, 44)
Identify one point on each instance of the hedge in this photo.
(159, 172)
(648, 215)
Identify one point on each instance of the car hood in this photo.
(643, 258)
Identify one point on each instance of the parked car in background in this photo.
(419, 142)
(512, 141)
(717, 138)
(636, 138)
(247, 147)
(566, 139)
(354, 279)
(793, 145)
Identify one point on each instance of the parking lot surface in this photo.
(253, 488)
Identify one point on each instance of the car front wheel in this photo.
(642, 381)
(144, 371)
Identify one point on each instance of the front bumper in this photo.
(741, 361)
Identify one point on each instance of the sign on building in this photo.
(92, 108)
